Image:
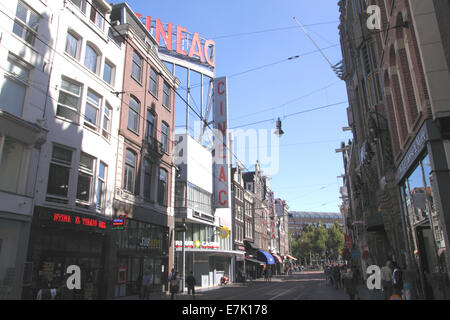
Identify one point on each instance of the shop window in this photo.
(69, 100)
(162, 187)
(26, 23)
(13, 87)
(85, 177)
(60, 166)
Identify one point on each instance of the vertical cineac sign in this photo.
(221, 161)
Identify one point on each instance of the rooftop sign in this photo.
(186, 43)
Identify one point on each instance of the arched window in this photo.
(91, 58)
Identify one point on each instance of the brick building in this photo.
(397, 164)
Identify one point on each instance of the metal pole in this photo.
(184, 259)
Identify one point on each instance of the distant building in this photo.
(299, 219)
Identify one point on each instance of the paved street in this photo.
(299, 286)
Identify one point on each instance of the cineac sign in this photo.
(186, 43)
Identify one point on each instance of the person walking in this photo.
(386, 280)
(190, 281)
(174, 285)
(350, 284)
(397, 279)
(147, 281)
(269, 274)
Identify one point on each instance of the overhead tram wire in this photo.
(293, 114)
(271, 30)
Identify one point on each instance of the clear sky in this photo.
(309, 166)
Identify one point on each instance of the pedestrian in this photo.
(386, 280)
(174, 285)
(350, 284)
(147, 281)
(269, 274)
(397, 279)
(190, 281)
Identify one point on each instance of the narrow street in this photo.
(298, 286)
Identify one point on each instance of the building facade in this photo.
(396, 175)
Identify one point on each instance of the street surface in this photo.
(298, 286)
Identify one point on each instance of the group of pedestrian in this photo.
(174, 281)
(391, 280)
(346, 277)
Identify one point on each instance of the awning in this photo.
(265, 257)
(250, 245)
(291, 257)
(254, 261)
(277, 257)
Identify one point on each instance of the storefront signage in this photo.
(119, 223)
(221, 171)
(187, 44)
(77, 220)
(197, 244)
(414, 151)
(150, 243)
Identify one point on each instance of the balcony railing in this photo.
(153, 146)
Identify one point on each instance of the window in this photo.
(371, 82)
(68, 101)
(109, 72)
(93, 103)
(166, 97)
(164, 137)
(91, 59)
(150, 129)
(81, 4)
(85, 175)
(133, 115)
(130, 171)
(162, 187)
(153, 83)
(148, 167)
(101, 185)
(13, 88)
(106, 126)
(60, 166)
(12, 154)
(97, 14)
(26, 23)
(72, 45)
(136, 69)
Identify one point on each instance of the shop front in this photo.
(141, 247)
(239, 263)
(421, 215)
(58, 240)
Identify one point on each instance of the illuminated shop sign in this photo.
(186, 43)
(77, 220)
(150, 243)
(197, 244)
(119, 223)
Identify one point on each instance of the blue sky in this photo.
(309, 166)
